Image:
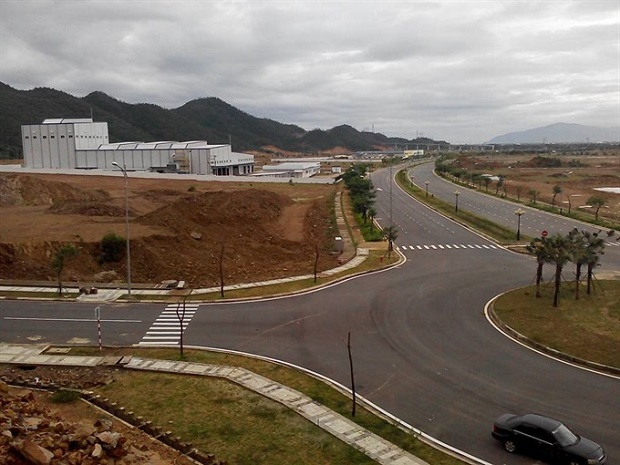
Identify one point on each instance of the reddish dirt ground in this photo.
(178, 228)
(577, 183)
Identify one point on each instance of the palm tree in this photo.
(558, 248)
(391, 234)
(578, 254)
(537, 248)
(595, 246)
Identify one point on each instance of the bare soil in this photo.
(178, 229)
(577, 182)
(27, 405)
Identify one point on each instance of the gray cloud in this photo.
(462, 71)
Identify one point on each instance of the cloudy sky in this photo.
(461, 71)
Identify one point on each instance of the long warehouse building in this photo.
(81, 143)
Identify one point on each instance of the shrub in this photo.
(64, 396)
(112, 248)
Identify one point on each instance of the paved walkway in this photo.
(373, 446)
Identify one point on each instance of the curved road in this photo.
(422, 348)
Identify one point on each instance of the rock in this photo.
(195, 235)
(97, 451)
(32, 452)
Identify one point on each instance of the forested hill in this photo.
(208, 119)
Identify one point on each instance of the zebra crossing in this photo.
(166, 329)
(448, 247)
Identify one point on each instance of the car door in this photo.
(534, 441)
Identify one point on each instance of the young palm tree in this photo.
(558, 248)
(595, 246)
(391, 234)
(578, 254)
(538, 249)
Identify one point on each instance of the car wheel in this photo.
(510, 446)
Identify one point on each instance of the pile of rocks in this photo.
(31, 434)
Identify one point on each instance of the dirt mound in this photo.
(178, 229)
(28, 190)
(87, 209)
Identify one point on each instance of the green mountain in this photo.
(209, 119)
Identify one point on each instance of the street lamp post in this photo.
(519, 213)
(456, 201)
(426, 184)
(122, 168)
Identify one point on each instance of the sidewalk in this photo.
(378, 449)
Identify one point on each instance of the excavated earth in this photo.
(179, 229)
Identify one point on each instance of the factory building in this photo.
(83, 144)
(293, 169)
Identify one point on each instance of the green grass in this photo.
(172, 402)
(588, 328)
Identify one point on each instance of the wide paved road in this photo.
(533, 221)
(422, 348)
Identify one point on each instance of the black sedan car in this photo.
(546, 439)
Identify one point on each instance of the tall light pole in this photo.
(122, 168)
(456, 201)
(519, 213)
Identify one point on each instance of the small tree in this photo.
(112, 248)
(596, 202)
(59, 261)
(558, 249)
(391, 234)
(557, 189)
(519, 189)
(578, 254)
(538, 248)
(533, 193)
(499, 183)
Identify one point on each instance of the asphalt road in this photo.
(533, 221)
(421, 345)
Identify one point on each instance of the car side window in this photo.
(534, 433)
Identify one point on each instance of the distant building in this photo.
(66, 143)
(293, 169)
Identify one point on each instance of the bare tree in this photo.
(180, 311)
(221, 267)
(557, 189)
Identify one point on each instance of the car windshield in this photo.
(564, 436)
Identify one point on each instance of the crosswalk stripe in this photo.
(166, 329)
(448, 246)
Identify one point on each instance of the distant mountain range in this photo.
(209, 119)
(560, 133)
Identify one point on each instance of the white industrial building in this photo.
(293, 169)
(83, 144)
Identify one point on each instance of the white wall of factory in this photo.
(53, 143)
(83, 144)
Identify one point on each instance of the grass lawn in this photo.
(240, 426)
(588, 328)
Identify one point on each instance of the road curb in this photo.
(511, 333)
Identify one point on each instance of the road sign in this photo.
(544, 234)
